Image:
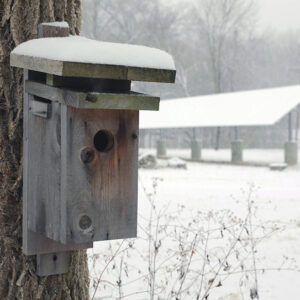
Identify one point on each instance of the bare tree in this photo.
(218, 22)
(215, 45)
(18, 279)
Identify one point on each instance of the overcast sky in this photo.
(280, 14)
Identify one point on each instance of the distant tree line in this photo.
(217, 46)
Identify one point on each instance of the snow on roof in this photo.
(249, 108)
(83, 50)
(57, 24)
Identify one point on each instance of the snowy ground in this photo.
(215, 187)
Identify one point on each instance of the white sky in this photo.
(279, 14)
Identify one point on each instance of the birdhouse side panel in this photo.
(43, 169)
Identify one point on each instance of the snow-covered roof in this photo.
(56, 24)
(83, 50)
(249, 108)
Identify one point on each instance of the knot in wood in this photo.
(85, 222)
(87, 155)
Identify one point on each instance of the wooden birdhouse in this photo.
(81, 129)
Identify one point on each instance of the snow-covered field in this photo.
(213, 187)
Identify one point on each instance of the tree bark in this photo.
(19, 20)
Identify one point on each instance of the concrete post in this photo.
(196, 147)
(237, 151)
(290, 126)
(291, 153)
(237, 133)
(161, 148)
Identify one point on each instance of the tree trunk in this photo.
(19, 20)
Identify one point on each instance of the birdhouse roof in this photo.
(77, 56)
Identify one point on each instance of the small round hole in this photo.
(103, 140)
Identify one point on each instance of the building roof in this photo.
(247, 108)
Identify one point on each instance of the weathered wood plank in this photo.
(151, 75)
(44, 91)
(26, 241)
(39, 244)
(43, 180)
(52, 263)
(48, 30)
(125, 100)
(44, 176)
(41, 109)
(36, 64)
(34, 243)
(76, 69)
(99, 189)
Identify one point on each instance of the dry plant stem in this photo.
(120, 279)
(252, 252)
(259, 270)
(252, 242)
(152, 267)
(178, 294)
(135, 293)
(204, 263)
(227, 275)
(224, 260)
(150, 256)
(221, 252)
(152, 253)
(106, 266)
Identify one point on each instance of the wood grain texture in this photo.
(96, 100)
(154, 75)
(36, 64)
(25, 237)
(47, 30)
(41, 181)
(39, 244)
(52, 263)
(76, 69)
(102, 192)
(40, 109)
(44, 176)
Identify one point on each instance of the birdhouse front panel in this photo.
(99, 153)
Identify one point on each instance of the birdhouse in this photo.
(81, 130)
